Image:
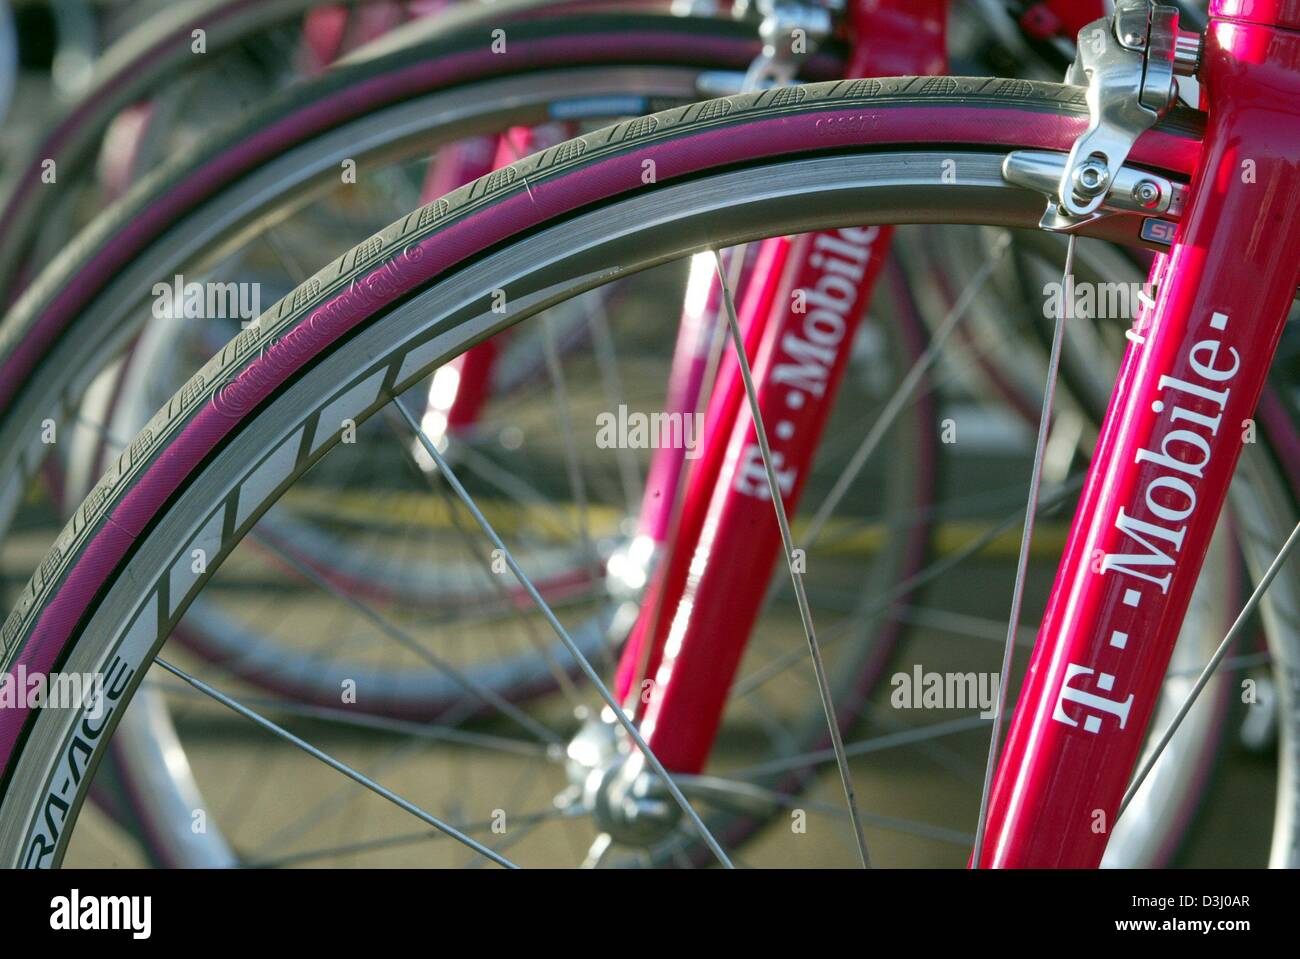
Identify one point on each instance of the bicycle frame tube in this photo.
(1168, 447)
(696, 617)
(675, 526)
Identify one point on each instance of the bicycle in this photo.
(774, 104)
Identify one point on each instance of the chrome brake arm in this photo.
(791, 31)
(1131, 190)
(1110, 62)
(1128, 63)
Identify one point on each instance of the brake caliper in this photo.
(1129, 63)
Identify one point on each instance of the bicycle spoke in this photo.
(409, 642)
(962, 624)
(1026, 534)
(333, 803)
(600, 848)
(602, 342)
(286, 259)
(520, 829)
(341, 767)
(805, 614)
(577, 487)
(752, 798)
(403, 727)
(934, 748)
(873, 606)
(386, 842)
(512, 486)
(1245, 661)
(484, 564)
(565, 638)
(906, 737)
(1255, 597)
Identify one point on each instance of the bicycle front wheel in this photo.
(345, 343)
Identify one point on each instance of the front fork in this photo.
(798, 319)
(1188, 385)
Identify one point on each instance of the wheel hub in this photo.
(610, 782)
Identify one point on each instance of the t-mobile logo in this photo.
(1090, 700)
